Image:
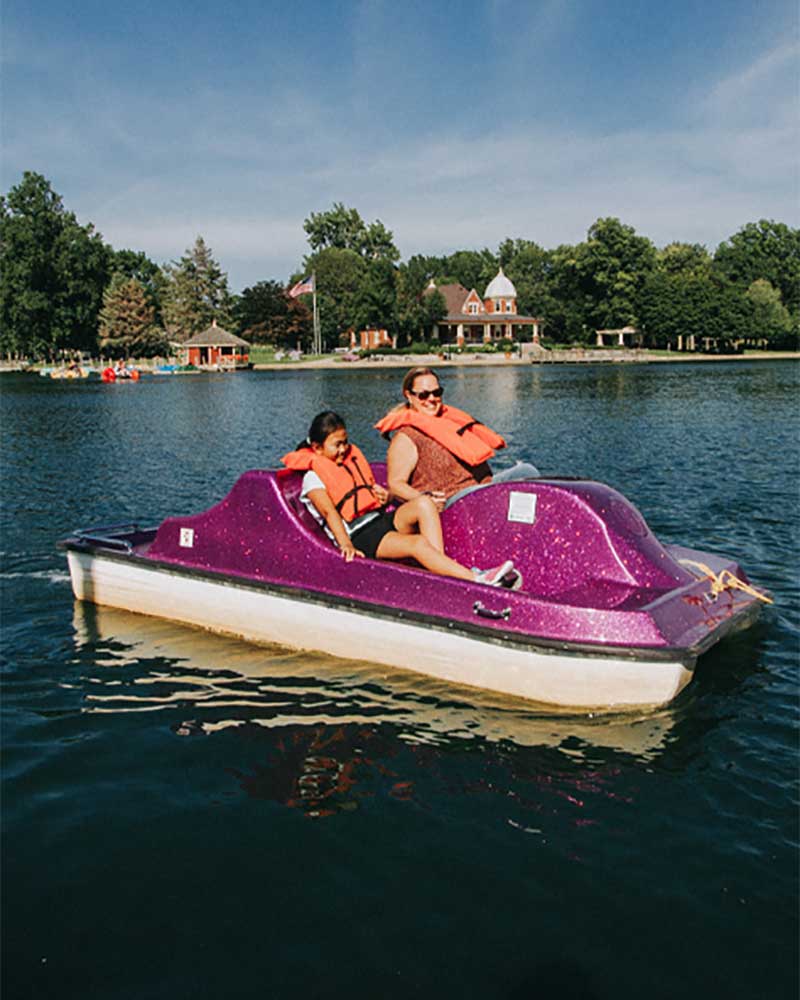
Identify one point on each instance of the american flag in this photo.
(303, 285)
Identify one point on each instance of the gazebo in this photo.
(216, 348)
(633, 335)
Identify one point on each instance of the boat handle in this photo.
(480, 609)
(105, 536)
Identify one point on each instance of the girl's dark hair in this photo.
(322, 425)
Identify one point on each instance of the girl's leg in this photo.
(398, 546)
(420, 515)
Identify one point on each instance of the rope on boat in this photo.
(725, 581)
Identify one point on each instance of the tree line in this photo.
(64, 290)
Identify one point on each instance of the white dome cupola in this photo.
(500, 287)
(500, 295)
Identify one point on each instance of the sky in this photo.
(457, 124)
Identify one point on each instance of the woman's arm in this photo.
(333, 519)
(401, 460)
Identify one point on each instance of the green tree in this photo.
(530, 267)
(570, 304)
(768, 250)
(684, 303)
(417, 308)
(378, 243)
(470, 268)
(265, 314)
(433, 311)
(52, 273)
(611, 268)
(195, 294)
(343, 228)
(772, 321)
(135, 264)
(684, 258)
(375, 303)
(339, 276)
(127, 326)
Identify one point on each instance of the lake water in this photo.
(190, 816)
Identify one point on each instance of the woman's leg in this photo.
(420, 515)
(395, 545)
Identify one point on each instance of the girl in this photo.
(340, 491)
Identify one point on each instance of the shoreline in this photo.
(500, 361)
(563, 357)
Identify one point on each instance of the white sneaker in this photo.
(493, 577)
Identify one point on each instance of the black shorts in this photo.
(369, 537)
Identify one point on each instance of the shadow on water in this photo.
(324, 735)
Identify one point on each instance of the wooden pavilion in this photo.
(217, 348)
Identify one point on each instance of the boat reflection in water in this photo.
(327, 732)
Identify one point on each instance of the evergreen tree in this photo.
(195, 294)
(126, 320)
(135, 264)
(52, 273)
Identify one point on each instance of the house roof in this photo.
(215, 336)
(496, 319)
(500, 287)
(455, 296)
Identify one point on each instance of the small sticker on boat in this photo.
(186, 540)
(521, 507)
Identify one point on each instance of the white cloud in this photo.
(756, 78)
(244, 169)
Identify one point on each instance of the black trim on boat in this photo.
(89, 541)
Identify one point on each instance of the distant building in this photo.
(369, 340)
(471, 319)
(216, 348)
(626, 336)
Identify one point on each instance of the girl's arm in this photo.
(333, 519)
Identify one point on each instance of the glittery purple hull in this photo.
(594, 575)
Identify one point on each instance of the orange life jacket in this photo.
(349, 485)
(462, 435)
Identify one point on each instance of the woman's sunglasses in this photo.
(424, 393)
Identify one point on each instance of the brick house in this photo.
(471, 319)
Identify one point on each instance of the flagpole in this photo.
(317, 338)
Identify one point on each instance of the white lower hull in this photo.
(543, 675)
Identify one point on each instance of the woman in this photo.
(436, 449)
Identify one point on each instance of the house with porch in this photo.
(472, 319)
(216, 348)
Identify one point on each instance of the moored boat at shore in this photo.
(607, 617)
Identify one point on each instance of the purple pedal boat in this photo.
(607, 617)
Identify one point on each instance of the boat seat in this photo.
(290, 484)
